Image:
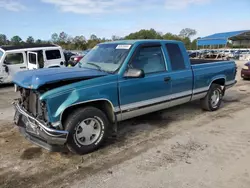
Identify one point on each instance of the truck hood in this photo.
(33, 79)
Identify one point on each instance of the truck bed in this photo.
(202, 61)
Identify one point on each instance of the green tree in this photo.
(194, 44)
(170, 36)
(115, 37)
(187, 32)
(63, 37)
(3, 39)
(92, 43)
(80, 42)
(54, 38)
(187, 42)
(39, 41)
(16, 40)
(30, 40)
(145, 34)
(93, 37)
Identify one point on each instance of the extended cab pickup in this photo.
(115, 81)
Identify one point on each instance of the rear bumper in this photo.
(37, 132)
(245, 73)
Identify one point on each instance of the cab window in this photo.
(149, 59)
(52, 54)
(13, 59)
(176, 57)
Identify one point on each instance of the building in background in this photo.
(240, 39)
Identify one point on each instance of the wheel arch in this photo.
(218, 80)
(103, 104)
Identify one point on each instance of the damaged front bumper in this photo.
(37, 132)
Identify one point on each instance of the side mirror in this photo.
(6, 68)
(134, 73)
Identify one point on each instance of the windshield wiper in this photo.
(99, 68)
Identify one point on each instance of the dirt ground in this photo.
(178, 147)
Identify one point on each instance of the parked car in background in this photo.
(26, 57)
(194, 54)
(68, 55)
(76, 58)
(115, 81)
(245, 71)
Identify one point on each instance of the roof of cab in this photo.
(138, 41)
(24, 46)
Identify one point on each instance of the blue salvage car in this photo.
(79, 107)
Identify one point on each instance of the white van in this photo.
(17, 58)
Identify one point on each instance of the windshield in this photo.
(105, 57)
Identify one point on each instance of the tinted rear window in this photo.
(176, 57)
(53, 54)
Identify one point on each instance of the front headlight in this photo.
(246, 67)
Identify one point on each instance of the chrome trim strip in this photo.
(144, 103)
(117, 109)
(199, 90)
(199, 96)
(119, 117)
(176, 102)
(155, 100)
(231, 82)
(217, 62)
(181, 94)
(146, 110)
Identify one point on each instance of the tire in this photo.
(207, 102)
(84, 124)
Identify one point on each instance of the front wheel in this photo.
(88, 127)
(213, 99)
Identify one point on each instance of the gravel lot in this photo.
(178, 147)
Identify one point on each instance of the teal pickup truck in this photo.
(78, 107)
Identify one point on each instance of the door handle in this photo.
(166, 79)
(22, 67)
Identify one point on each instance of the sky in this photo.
(104, 18)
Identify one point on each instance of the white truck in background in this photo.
(30, 56)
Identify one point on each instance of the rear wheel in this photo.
(88, 128)
(213, 99)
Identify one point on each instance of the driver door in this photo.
(143, 95)
(32, 60)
